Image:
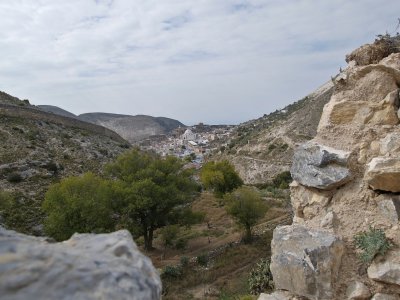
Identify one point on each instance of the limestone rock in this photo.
(320, 167)
(363, 99)
(383, 174)
(329, 220)
(380, 296)
(357, 291)
(390, 144)
(387, 269)
(393, 61)
(87, 266)
(278, 295)
(305, 262)
(389, 207)
(308, 202)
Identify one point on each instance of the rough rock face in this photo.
(87, 266)
(386, 269)
(373, 53)
(312, 257)
(383, 174)
(320, 167)
(381, 296)
(361, 120)
(357, 291)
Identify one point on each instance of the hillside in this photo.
(132, 128)
(262, 148)
(38, 149)
(56, 110)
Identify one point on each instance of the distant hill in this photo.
(262, 148)
(133, 128)
(56, 110)
(39, 148)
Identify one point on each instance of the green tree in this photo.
(169, 234)
(78, 204)
(246, 206)
(151, 191)
(220, 177)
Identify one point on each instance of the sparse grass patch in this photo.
(260, 279)
(371, 243)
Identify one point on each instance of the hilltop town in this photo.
(194, 143)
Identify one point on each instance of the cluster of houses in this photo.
(191, 143)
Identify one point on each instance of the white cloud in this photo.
(211, 61)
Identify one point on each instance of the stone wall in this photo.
(347, 180)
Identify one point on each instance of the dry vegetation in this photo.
(218, 238)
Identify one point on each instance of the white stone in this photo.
(86, 267)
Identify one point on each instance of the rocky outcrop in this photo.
(346, 181)
(87, 266)
(312, 257)
(373, 53)
(320, 167)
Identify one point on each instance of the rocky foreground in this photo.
(87, 266)
(347, 180)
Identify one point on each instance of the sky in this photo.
(211, 61)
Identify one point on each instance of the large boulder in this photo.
(87, 266)
(320, 167)
(386, 269)
(306, 262)
(383, 173)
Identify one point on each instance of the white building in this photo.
(188, 135)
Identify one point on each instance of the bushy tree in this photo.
(78, 204)
(19, 212)
(220, 177)
(151, 191)
(246, 206)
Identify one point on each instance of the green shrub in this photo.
(260, 278)
(78, 204)
(371, 243)
(181, 244)
(282, 180)
(247, 297)
(184, 261)
(202, 260)
(14, 177)
(52, 167)
(171, 272)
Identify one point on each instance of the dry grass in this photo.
(227, 272)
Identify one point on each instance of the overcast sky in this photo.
(212, 61)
